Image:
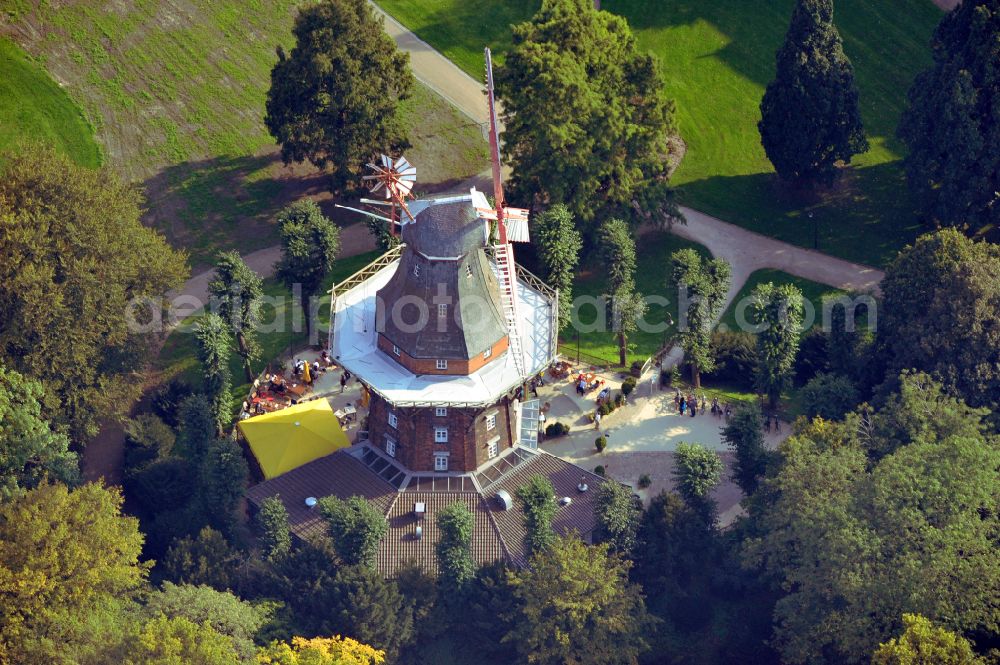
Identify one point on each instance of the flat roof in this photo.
(354, 345)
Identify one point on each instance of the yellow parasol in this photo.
(306, 376)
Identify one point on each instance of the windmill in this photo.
(393, 179)
(512, 226)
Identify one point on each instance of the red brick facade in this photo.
(414, 434)
(456, 366)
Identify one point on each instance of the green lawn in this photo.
(813, 292)
(717, 58)
(176, 92)
(33, 107)
(654, 250)
(179, 356)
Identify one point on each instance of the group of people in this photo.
(692, 405)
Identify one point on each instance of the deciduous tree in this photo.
(63, 554)
(238, 292)
(777, 312)
(454, 549)
(696, 471)
(576, 605)
(828, 396)
(357, 529)
(30, 449)
(213, 352)
(810, 117)
(207, 559)
(586, 119)
(334, 99)
(617, 248)
(702, 285)
(222, 611)
(743, 434)
(923, 643)
(950, 123)
(320, 651)
(940, 314)
(558, 243)
(617, 516)
(538, 503)
(309, 245)
(81, 267)
(276, 540)
(170, 641)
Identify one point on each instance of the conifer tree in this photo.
(809, 115)
(952, 122)
(213, 351)
(239, 292)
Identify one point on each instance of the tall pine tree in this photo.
(558, 244)
(809, 115)
(952, 122)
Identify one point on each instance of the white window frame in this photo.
(395, 350)
(491, 421)
(393, 421)
(440, 435)
(416, 270)
(390, 446)
(442, 310)
(441, 411)
(493, 447)
(487, 353)
(440, 462)
(441, 364)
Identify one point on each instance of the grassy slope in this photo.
(176, 90)
(34, 107)
(717, 58)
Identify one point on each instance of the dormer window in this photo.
(393, 421)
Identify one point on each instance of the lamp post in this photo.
(815, 230)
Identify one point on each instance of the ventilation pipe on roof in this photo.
(420, 532)
(565, 501)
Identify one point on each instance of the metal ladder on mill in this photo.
(504, 254)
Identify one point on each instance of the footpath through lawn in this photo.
(717, 58)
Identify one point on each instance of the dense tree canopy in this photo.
(77, 258)
(276, 538)
(176, 640)
(952, 121)
(743, 433)
(333, 100)
(586, 119)
(828, 396)
(320, 651)
(309, 245)
(558, 243)
(697, 470)
(30, 449)
(617, 517)
(212, 335)
(810, 118)
(701, 286)
(576, 605)
(856, 544)
(940, 313)
(64, 555)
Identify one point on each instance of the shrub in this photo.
(556, 429)
(601, 443)
(675, 375)
(167, 400)
(829, 396)
(599, 470)
(147, 438)
(735, 356)
(628, 385)
(645, 481)
(636, 368)
(813, 355)
(605, 408)
(619, 399)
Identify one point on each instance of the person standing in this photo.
(597, 420)
(343, 380)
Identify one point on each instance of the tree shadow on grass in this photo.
(866, 217)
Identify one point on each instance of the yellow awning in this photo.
(287, 439)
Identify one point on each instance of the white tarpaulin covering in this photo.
(354, 346)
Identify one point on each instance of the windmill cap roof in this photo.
(446, 230)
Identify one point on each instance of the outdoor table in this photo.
(296, 389)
